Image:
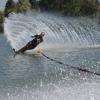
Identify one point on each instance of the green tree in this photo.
(71, 7)
(21, 6)
(1, 21)
(88, 8)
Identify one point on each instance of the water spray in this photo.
(59, 31)
(19, 28)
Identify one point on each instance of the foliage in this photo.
(88, 8)
(21, 6)
(70, 7)
(1, 21)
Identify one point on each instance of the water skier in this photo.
(37, 39)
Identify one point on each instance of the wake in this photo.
(60, 31)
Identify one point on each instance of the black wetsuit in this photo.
(37, 39)
(32, 44)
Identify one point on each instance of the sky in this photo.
(2, 4)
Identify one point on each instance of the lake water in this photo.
(33, 77)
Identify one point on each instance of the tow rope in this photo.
(76, 68)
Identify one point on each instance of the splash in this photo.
(60, 31)
(40, 50)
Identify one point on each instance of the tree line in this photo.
(71, 7)
(1, 21)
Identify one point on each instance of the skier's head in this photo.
(42, 33)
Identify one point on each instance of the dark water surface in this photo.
(33, 77)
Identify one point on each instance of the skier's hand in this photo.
(32, 36)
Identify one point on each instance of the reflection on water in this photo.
(33, 77)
